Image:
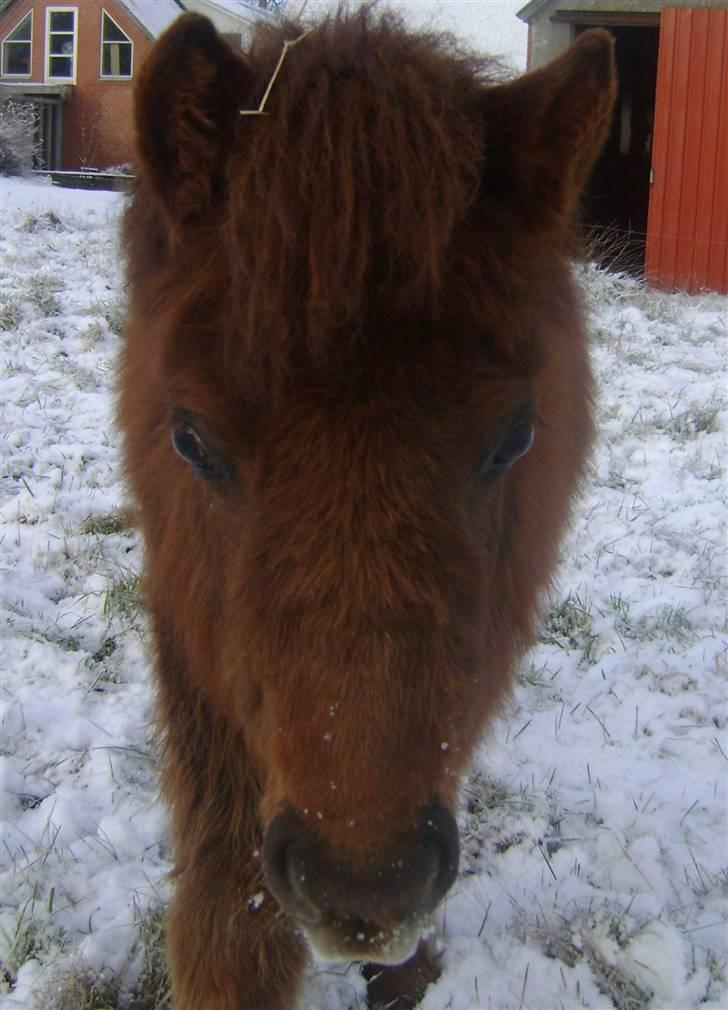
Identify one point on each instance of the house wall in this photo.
(97, 117)
(98, 130)
(8, 21)
(549, 37)
(240, 23)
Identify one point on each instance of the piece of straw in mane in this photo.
(287, 45)
(353, 184)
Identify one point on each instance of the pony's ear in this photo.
(187, 103)
(544, 130)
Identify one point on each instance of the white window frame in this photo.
(113, 77)
(2, 54)
(74, 56)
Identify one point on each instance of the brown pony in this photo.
(356, 404)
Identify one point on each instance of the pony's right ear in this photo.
(187, 103)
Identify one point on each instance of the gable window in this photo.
(61, 43)
(17, 49)
(116, 49)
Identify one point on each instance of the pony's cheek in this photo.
(249, 703)
(251, 710)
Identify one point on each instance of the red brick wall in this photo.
(97, 118)
(9, 20)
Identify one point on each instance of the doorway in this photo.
(617, 197)
(49, 132)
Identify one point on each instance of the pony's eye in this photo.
(516, 443)
(190, 446)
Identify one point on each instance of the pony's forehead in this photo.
(446, 380)
(211, 351)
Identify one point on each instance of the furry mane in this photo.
(355, 182)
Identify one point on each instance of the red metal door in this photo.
(687, 226)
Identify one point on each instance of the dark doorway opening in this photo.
(617, 198)
(49, 130)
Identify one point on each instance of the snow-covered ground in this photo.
(594, 865)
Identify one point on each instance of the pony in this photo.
(355, 404)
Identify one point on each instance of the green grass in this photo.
(123, 599)
(48, 219)
(81, 991)
(686, 420)
(79, 988)
(115, 521)
(562, 941)
(568, 625)
(42, 292)
(673, 622)
(33, 932)
(152, 990)
(484, 794)
(10, 315)
(613, 983)
(23, 940)
(113, 310)
(538, 676)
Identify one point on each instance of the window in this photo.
(17, 49)
(116, 49)
(61, 43)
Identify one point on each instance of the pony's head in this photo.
(356, 405)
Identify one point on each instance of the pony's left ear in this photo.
(187, 103)
(544, 131)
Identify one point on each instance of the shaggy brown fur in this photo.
(348, 313)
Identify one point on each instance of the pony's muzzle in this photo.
(362, 915)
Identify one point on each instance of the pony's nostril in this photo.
(439, 838)
(284, 864)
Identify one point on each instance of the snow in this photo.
(593, 869)
(33, 195)
(154, 15)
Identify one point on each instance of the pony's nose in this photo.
(315, 888)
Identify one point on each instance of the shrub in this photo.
(19, 142)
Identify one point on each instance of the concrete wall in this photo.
(549, 38)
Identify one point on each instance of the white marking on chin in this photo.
(397, 949)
